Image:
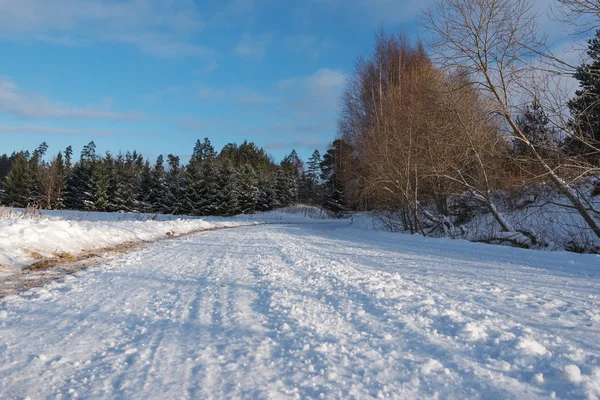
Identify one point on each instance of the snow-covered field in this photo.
(306, 311)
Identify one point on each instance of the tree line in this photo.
(239, 179)
(434, 131)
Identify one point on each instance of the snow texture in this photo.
(24, 239)
(306, 311)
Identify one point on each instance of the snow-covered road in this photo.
(310, 310)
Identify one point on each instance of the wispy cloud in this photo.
(161, 28)
(253, 46)
(68, 131)
(312, 95)
(21, 104)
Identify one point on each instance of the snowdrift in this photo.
(23, 241)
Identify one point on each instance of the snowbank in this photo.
(24, 240)
(25, 237)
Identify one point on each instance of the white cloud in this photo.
(18, 103)
(253, 46)
(67, 131)
(313, 95)
(160, 28)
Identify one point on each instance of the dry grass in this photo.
(60, 264)
(31, 212)
(34, 254)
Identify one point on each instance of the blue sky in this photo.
(155, 75)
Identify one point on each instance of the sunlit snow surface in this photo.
(309, 310)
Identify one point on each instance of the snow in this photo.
(24, 239)
(308, 310)
(538, 210)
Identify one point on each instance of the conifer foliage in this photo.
(238, 179)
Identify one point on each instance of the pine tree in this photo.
(333, 170)
(158, 193)
(248, 190)
(68, 158)
(144, 189)
(203, 151)
(80, 189)
(208, 190)
(228, 182)
(175, 186)
(100, 180)
(310, 179)
(267, 195)
(535, 127)
(35, 179)
(585, 107)
(191, 201)
(286, 187)
(57, 169)
(17, 184)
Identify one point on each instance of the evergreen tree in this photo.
(286, 187)
(57, 169)
(35, 179)
(248, 190)
(585, 107)
(68, 159)
(333, 173)
(267, 195)
(191, 203)
(310, 179)
(228, 182)
(535, 127)
(208, 191)
(80, 189)
(175, 186)
(144, 189)
(100, 181)
(158, 193)
(203, 151)
(5, 164)
(17, 184)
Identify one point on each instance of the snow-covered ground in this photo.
(537, 210)
(24, 238)
(310, 310)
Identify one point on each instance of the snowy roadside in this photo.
(26, 239)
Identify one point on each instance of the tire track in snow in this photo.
(288, 311)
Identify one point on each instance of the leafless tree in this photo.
(497, 43)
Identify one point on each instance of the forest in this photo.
(240, 179)
(475, 121)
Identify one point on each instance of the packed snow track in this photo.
(309, 311)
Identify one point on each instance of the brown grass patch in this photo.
(34, 254)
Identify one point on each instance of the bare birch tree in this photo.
(497, 43)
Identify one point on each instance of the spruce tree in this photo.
(175, 186)
(248, 190)
(228, 184)
(585, 107)
(535, 127)
(17, 184)
(208, 190)
(144, 189)
(158, 193)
